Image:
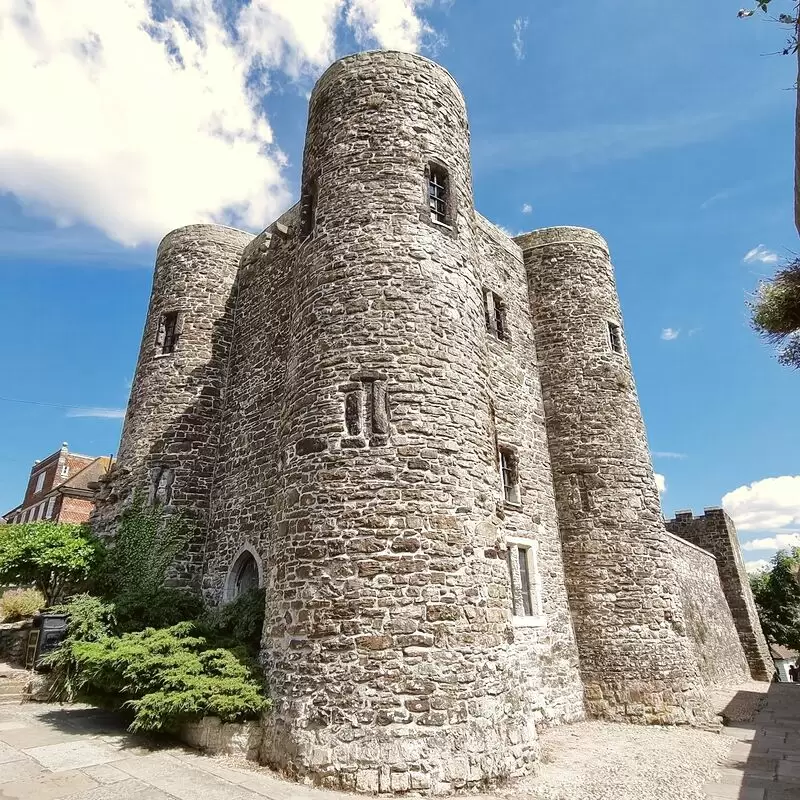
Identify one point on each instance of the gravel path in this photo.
(607, 761)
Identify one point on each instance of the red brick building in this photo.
(58, 488)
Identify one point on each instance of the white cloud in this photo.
(668, 454)
(756, 566)
(393, 24)
(137, 123)
(527, 208)
(766, 504)
(661, 483)
(668, 334)
(520, 24)
(762, 254)
(104, 413)
(777, 542)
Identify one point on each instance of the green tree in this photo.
(51, 556)
(777, 596)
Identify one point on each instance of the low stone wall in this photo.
(13, 641)
(708, 618)
(215, 737)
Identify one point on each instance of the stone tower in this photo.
(386, 635)
(169, 439)
(636, 659)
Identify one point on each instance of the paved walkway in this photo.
(49, 752)
(764, 762)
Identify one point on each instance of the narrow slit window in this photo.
(437, 193)
(509, 475)
(168, 332)
(309, 207)
(495, 312)
(615, 337)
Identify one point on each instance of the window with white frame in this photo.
(51, 504)
(64, 470)
(40, 481)
(523, 568)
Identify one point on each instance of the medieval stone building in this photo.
(423, 438)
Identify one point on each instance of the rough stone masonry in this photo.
(423, 439)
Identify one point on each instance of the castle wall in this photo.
(170, 435)
(636, 659)
(708, 618)
(547, 654)
(247, 480)
(715, 532)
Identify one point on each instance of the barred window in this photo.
(615, 337)
(168, 332)
(510, 475)
(437, 193)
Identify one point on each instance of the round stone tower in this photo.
(636, 660)
(169, 438)
(388, 613)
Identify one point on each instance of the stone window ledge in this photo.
(529, 622)
(512, 506)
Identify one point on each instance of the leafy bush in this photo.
(167, 677)
(18, 604)
(145, 545)
(238, 623)
(51, 556)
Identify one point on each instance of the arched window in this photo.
(245, 574)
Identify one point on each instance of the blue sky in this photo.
(668, 130)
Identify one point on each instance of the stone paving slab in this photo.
(764, 763)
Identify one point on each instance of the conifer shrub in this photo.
(167, 677)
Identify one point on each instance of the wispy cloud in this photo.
(756, 566)
(607, 142)
(669, 334)
(527, 208)
(103, 413)
(716, 198)
(661, 483)
(762, 254)
(693, 331)
(520, 24)
(668, 454)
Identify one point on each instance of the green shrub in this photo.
(53, 557)
(238, 623)
(16, 604)
(167, 677)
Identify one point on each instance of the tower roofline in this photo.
(364, 54)
(561, 234)
(203, 225)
